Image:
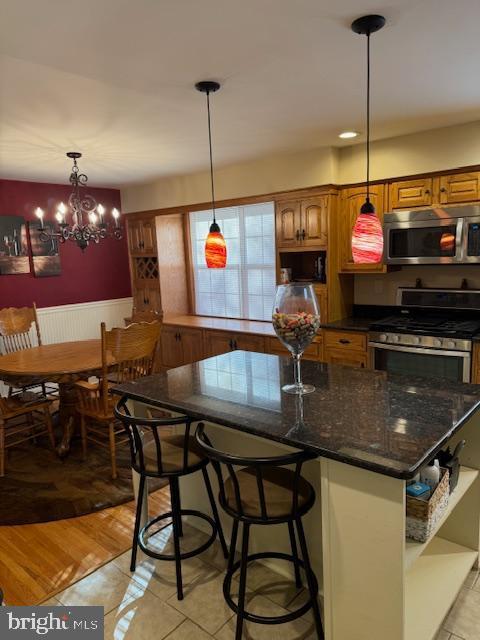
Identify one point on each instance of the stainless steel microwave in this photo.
(449, 235)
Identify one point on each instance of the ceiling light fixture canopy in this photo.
(215, 246)
(80, 204)
(367, 236)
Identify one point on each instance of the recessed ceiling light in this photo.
(348, 134)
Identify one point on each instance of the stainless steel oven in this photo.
(425, 356)
(433, 236)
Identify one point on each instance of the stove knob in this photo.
(437, 342)
(450, 344)
(395, 338)
(383, 337)
(416, 340)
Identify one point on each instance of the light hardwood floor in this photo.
(39, 560)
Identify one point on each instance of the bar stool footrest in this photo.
(252, 617)
(185, 554)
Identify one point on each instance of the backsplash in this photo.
(382, 289)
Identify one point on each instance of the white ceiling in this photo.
(114, 79)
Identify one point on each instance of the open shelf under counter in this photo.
(413, 550)
(432, 584)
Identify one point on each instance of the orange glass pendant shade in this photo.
(215, 248)
(367, 237)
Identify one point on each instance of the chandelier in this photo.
(87, 217)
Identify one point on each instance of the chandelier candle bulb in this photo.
(116, 216)
(39, 214)
(101, 212)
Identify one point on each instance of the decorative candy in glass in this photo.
(296, 320)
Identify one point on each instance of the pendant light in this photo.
(215, 246)
(367, 236)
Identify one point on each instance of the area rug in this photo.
(39, 487)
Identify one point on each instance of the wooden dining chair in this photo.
(149, 315)
(127, 353)
(21, 421)
(16, 330)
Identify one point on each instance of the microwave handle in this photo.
(461, 242)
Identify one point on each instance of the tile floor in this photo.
(144, 606)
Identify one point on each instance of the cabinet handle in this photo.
(235, 344)
(230, 343)
(297, 234)
(344, 341)
(303, 234)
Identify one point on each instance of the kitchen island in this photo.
(372, 432)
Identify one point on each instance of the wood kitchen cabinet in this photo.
(312, 352)
(180, 345)
(410, 194)
(146, 295)
(142, 236)
(302, 223)
(345, 347)
(458, 188)
(351, 201)
(218, 342)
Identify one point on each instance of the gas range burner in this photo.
(429, 325)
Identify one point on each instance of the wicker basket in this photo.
(423, 516)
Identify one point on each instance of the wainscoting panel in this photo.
(72, 322)
(81, 321)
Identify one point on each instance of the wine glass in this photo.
(296, 320)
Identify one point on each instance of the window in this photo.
(246, 287)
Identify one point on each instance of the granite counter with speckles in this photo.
(371, 419)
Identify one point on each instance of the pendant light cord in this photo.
(368, 116)
(211, 156)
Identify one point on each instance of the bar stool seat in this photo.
(264, 491)
(278, 486)
(173, 455)
(157, 453)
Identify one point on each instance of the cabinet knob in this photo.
(443, 189)
(427, 191)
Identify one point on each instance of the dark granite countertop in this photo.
(371, 419)
(349, 324)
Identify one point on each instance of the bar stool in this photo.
(264, 492)
(158, 455)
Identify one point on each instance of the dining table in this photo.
(62, 363)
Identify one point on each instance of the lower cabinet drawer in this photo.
(350, 340)
(349, 358)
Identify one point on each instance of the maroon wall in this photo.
(100, 273)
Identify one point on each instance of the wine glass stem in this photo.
(296, 370)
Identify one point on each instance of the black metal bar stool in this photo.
(264, 492)
(159, 455)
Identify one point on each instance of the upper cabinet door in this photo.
(134, 236)
(460, 187)
(149, 243)
(350, 203)
(314, 222)
(410, 194)
(287, 218)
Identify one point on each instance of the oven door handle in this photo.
(433, 352)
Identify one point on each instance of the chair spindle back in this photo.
(15, 328)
